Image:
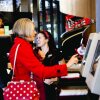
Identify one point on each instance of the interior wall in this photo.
(82, 8)
(97, 16)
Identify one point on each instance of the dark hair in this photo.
(51, 41)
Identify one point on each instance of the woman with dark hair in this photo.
(49, 55)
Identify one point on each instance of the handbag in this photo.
(20, 90)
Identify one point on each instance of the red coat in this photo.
(26, 62)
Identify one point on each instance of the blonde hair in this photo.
(24, 27)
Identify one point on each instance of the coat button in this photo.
(58, 71)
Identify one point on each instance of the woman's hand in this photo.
(50, 81)
(73, 60)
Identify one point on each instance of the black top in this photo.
(52, 57)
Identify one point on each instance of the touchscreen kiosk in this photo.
(93, 78)
(84, 66)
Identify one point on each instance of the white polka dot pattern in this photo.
(21, 91)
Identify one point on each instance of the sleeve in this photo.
(28, 59)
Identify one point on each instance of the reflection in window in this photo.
(6, 5)
(48, 15)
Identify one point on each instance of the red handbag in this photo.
(20, 90)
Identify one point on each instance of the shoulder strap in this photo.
(15, 57)
(16, 51)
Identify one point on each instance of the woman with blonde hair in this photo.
(26, 61)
